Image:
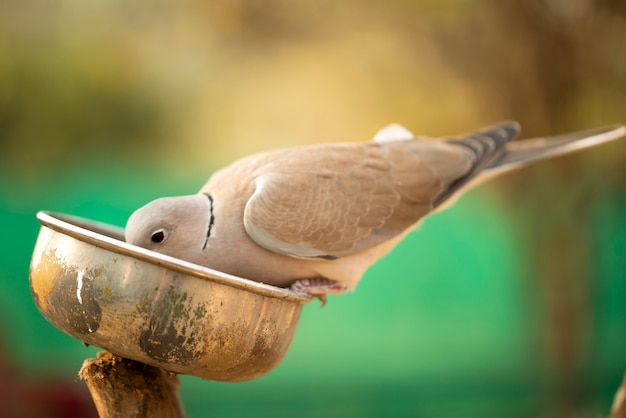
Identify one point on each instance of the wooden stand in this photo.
(618, 410)
(125, 388)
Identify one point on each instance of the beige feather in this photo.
(315, 218)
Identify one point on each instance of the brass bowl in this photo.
(156, 309)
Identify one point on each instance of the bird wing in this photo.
(334, 200)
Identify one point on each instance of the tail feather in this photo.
(521, 153)
(487, 145)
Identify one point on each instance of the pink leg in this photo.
(318, 287)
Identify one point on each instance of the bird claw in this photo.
(318, 287)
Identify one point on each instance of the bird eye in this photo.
(159, 235)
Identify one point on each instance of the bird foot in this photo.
(318, 287)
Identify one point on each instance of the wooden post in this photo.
(618, 410)
(126, 388)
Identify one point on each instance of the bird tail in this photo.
(488, 145)
(521, 153)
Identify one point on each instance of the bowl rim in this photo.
(100, 234)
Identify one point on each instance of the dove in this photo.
(314, 218)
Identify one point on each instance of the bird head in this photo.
(175, 226)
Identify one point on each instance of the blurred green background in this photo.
(511, 303)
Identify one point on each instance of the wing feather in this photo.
(334, 200)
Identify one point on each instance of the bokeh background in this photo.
(511, 303)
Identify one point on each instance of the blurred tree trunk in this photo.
(540, 76)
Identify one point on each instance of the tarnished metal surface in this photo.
(157, 309)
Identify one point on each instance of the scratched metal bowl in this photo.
(157, 309)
